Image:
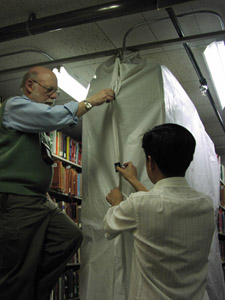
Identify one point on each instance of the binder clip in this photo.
(117, 164)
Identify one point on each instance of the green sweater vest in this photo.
(22, 169)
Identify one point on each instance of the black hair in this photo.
(171, 146)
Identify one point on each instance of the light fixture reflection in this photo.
(214, 55)
(70, 85)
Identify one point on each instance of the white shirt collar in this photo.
(172, 181)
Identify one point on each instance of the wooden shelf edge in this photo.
(66, 161)
(73, 198)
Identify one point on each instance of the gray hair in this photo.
(28, 75)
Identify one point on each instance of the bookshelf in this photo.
(66, 148)
(67, 286)
(221, 235)
(66, 191)
(221, 217)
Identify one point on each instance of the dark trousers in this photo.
(36, 241)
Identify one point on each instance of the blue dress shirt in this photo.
(23, 114)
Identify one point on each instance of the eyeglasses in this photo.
(49, 90)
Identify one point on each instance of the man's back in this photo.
(174, 228)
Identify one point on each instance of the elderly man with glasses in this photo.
(36, 238)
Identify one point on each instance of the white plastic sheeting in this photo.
(147, 94)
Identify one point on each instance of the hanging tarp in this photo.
(147, 94)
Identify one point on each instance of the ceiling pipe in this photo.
(86, 15)
(218, 35)
(167, 18)
(190, 54)
(27, 51)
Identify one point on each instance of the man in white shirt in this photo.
(172, 224)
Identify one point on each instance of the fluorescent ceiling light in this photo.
(70, 85)
(215, 59)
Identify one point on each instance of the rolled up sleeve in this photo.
(119, 218)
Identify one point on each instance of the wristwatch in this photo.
(88, 105)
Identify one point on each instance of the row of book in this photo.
(67, 286)
(222, 173)
(66, 179)
(221, 220)
(223, 267)
(222, 169)
(66, 147)
(74, 260)
(222, 195)
(222, 249)
(72, 209)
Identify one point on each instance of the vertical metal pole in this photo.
(202, 80)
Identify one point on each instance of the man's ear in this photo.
(29, 85)
(150, 163)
